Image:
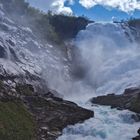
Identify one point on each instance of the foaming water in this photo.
(108, 124)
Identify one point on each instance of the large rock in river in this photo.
(130, 100)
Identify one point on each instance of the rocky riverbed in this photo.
(130, 100)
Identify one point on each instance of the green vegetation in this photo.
(15, 122)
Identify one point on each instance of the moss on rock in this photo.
(25, 89)
(16, 123)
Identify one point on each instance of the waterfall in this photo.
(109, 56)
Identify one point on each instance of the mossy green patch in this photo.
(16, 123)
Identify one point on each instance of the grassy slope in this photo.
(15, 122)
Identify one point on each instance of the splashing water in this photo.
(110, 57)
(107, 125)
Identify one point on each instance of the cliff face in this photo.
(32, 42)
(134, 24)
(68, 27)
(23, 56)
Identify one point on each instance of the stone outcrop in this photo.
(50, 112)
(130, 100)
(53, 114)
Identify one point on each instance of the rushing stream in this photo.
(110, 58)
(108, 124)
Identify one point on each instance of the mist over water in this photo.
(110, 57)
(107, 60)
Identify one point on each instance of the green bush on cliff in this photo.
(15, 122)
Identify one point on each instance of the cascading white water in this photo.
(110, 58)
(107, 124)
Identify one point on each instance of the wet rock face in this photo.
(130, 100)
(2, 52)
(139, 131)
(53, 114)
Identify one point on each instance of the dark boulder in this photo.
(53, 114)
(139, 131)
(130, 100)
(137, 137)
